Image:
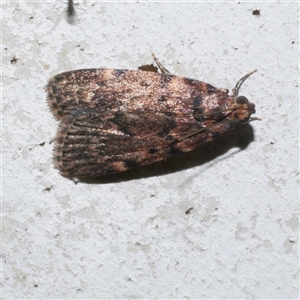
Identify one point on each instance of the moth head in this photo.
(243, 109)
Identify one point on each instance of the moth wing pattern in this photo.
(100, 150)
(112, 88)
(114, 120)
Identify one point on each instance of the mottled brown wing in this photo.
(114, 90)
(90, 143)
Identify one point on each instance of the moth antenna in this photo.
(235, 91)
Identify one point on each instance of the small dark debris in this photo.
(14, 60)
(71, 12)
(256, 12)
(78, 46)
(42, 144)
(189, 210)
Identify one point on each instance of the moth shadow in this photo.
(239, 137)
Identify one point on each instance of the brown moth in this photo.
(113, 120)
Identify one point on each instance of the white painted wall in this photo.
(128, 236)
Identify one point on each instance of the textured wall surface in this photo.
(128, 235)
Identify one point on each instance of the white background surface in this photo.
(128, 235)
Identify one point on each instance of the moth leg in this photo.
(160, 66)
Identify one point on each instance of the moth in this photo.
(112, 120)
